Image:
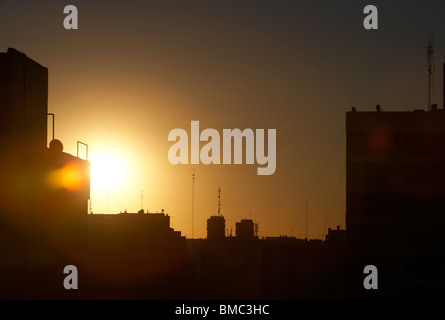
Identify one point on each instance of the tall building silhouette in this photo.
(44, 192)
(245, 229)
(395, 194)
(216, 227)
(40, 181)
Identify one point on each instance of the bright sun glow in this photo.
(108, 170)
(71, 177)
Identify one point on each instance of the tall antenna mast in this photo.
(193, 202)
(443, 85)
(142, 199)
(307, 233)
(219, 201)
(108, 201)
(429, 64)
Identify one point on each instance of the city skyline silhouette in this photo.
(124, 79)
(394, 172)
(356, 180)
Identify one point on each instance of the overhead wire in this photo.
(335, 197)
(316, 181)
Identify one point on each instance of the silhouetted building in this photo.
(336, 238)
(37, 180)
(23, 98)
(395, 195)
(135, 256)
(216, 227)
(245, 229)
(44, 192)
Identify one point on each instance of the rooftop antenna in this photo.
(142, 200)
(307, 233)
(86, 149)
(108, 201)
(193, 202)
(219, 201)
(429, 64)
(443, 84)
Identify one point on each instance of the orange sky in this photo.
(136, 70)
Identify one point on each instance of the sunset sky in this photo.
(135, 70)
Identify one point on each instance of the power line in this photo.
(335, 197)
(340, 210)
(316, 182)
(267, 183)
(115, 198)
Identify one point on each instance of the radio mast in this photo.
(429, 64)
(219, 201)
(193, 202)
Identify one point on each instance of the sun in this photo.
(108, 170)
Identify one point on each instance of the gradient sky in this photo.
(135, 70)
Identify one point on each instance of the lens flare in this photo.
(70, 177)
